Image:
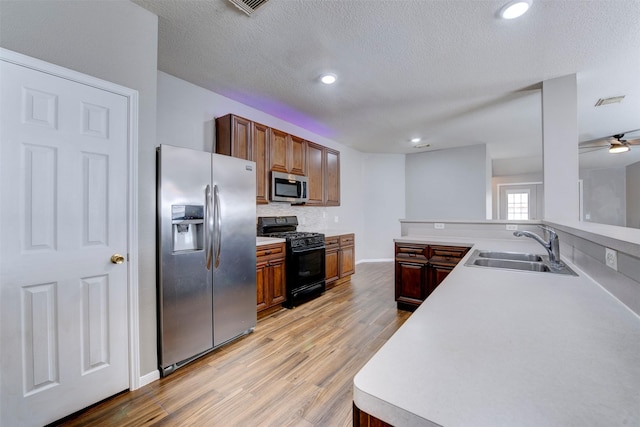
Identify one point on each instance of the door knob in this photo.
(117, 259)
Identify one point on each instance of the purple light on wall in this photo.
(281, 111)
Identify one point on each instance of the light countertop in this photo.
(499, 347)
(333, 233)
(268, 240)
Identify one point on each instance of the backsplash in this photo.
(589, 254)
(310, 218)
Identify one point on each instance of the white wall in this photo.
(447, 184)
(383, 184)
(186, 118)
(115, 41)
(604, 194)
(633, 195)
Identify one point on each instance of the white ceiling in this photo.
(450, 72)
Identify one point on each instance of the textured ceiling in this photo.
(450, 72)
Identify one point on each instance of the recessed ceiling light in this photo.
(328, 79)
(415, 140)
(515, 9)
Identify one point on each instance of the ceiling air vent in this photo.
(248, 6)
(612, 100)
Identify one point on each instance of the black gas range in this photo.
(305, 257)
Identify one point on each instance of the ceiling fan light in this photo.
(618, 148)
(515, 9)
(423, 145)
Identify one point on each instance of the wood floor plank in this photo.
(296, 369)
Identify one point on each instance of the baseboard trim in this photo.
(149, 378)
(374, 260)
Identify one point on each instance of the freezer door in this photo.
(184, 284)
(234, 248)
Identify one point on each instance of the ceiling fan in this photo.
(615, 143)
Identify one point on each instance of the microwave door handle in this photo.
(208, 224)
(218, 224)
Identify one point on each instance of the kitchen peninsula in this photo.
(501, 347)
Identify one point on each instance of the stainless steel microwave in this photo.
(289, 188)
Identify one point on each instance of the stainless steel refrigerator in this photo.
(206, 252)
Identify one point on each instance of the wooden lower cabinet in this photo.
(412, 284)
(270, 276)
(339, 259)
(420, 268)
(362, 419)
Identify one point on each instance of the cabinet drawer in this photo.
(448, 251)
(332, 242)
(346, 240)
(411, 251)
(271, 251)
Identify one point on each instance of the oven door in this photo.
(305, 266)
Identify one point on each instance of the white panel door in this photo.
(63, 195)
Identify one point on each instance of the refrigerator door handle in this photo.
(218, 224)
(208, 223)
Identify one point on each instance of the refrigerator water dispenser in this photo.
(187, 227)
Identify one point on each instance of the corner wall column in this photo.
(560, 148)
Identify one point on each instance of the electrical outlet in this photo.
(512, 227)
(438, 226)
(336, 219)
(611, 258)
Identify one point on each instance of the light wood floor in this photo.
(296, 369)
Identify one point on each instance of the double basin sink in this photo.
(516, 261)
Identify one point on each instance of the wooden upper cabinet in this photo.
(244, 139)
(298, 155)
(332, 177)
(287, 153)
(278, 151)
(260, 144)
(323, 172)
(315, 174)
(275, 150)
(233, 137)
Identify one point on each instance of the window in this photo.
(518, 205)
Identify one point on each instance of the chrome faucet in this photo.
(552, 245)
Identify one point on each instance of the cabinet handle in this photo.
(267, 252)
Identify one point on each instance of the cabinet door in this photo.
(297, 155)
(315, 174)
(332, 272)
(278, 151)
(332, 177)
(233, 136)
(347, 262)
(438, 274)
(278, 291)
(241, 138)
(262, 279)
(261, 157)
(411, 282)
